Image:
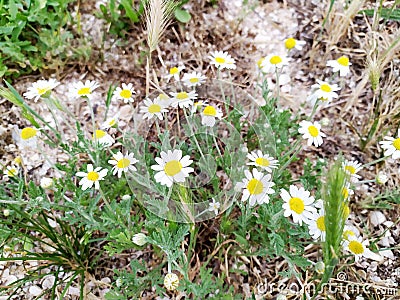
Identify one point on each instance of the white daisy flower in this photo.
(164, 100)
(209, 114)
(125, 93)
(391, 146)
(214, 206)
(323, 91)
(261, 160)
(171, 281)
(381, 178)
(46, 183)
(122, 163)
(172, 167)
(193, 79)
(183, 99)
(316, 225)
(103, 138)
(342, 64)
(260, 63)
(312, 132)
(139, 239)
(291, 43)
(350, 231)
(298, 203)
(80, 89)
(152, 109)
(352, 168)
(41, 88)
(222, 60)
(358, 247)
(26, 137)
(197, 105)
(273, 62)
(175, 72)
(347, 191)
(93, 176)
(256, 187)
(110, 122)
(11, 171)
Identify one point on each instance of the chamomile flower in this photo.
(352, 168)
(214, 206)
(126, 93)
(11, 171)
(80, 89)
(260, 63)
(122, 163)
(381, 178)
(257, 187)
(291, 43)
(175, 72)
(323, 91)
(171, 281)
(347, 191)
(164, 100)
(152, 109)
(271, 63)
(92, 176)
(350, 231)
(172, 167)
(312, 132)
(391, 146)
(197, 105)
(316, 225)
(183, 99)
(110, 122)
(41, 88)
(193, 79)
(298, 203)
(222, 60)
(46, 183)
(358, 247)
(264, 161)
(103, 138)
(209, 114)
(26, 137)
(342, 64)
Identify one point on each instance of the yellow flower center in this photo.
(290, 43)
(123, 163)
(345, 192)
(321, 223)
(275, 60)
(12, 172)
(325, 88)
(313, 131)
(350, 169)
(356, 247)
(172, 167)
(93, 176)
(182, 96)
(174, 71)
(344, 61)
(347, 234)
(194, 80)
(154, 108)
(262, 162)
(41, 91)
(396, 143)
(255, 187)
(163, 97)
(112, 122)
(210, 111)
(220, 60)
(28, 133)
(125, 94)
(346, 210)
(296, 204)
(260, 61)
(84, 91)
(99, 134)
(18, 160)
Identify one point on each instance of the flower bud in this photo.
(320, 267)
(46, 183)
(139, 239)
(381, 178)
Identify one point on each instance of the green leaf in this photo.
(182, 15)
(13, 9)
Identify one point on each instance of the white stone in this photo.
(34, 290)
(376, 217)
